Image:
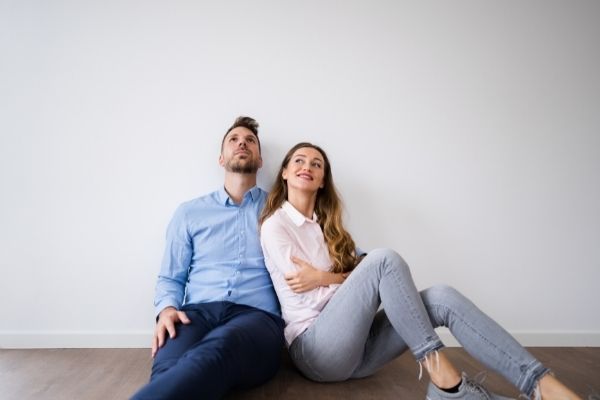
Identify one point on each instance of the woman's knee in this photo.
(388, 258)
(441, 294)
(447, 299)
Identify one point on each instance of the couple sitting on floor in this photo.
(344, 313)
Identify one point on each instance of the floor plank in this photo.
(57, 374)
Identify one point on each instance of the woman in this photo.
(330, 296)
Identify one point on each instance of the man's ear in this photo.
(221, 160)
(260, 162)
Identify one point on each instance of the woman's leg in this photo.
(333, 348)
(383, 345)
(482, 337)
(347, 341)
(489, 343)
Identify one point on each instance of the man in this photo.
(218, 323)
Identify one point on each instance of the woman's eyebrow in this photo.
(317, 158)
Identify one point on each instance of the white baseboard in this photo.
(74, 339)
(141, 339)
(539, 339)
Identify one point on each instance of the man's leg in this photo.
(241, 348)
(204, 318)
(254, 343)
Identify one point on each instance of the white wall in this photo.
(466, 135)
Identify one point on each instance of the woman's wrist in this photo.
(323, 275)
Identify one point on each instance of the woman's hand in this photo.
(305, 278)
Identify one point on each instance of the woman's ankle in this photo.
(552, 389)
(441, 371)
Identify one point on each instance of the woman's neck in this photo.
(303, 202)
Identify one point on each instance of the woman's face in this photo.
(306, 170)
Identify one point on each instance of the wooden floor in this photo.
(117, 373)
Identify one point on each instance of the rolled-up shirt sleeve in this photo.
(173, 275)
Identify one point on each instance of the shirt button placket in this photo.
(241, 236)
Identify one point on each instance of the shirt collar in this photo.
(296, 216)
(226, 200)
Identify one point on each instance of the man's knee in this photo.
(161, 366)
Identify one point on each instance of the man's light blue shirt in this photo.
(213, 253)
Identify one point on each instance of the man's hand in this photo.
(305, 278)
(167, 319)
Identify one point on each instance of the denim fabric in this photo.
(353, 337)
(226, 346)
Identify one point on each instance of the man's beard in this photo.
(242, 167)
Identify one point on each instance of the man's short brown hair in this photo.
(245, 122)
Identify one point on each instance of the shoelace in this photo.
(475, 387)
(480, 377)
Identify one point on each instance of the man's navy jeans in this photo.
(226, 346)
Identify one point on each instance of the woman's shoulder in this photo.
(276, 223)
(273, 221)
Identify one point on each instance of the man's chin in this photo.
(242, 168)
(245, 171)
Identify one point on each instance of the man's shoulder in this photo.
(206, 201)
(208, 198)
(218, 198)
(262, 194)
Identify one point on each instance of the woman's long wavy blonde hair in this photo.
(328, 208)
